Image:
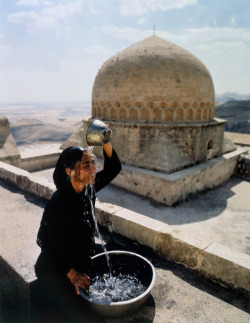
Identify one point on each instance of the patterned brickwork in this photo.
(153, 112)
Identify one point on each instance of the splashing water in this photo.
(105, 289)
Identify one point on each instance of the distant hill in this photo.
(228, 96)
(33, 130)
(237, 114)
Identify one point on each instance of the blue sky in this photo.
(51, 50)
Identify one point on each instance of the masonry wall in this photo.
(173, 188)
(36, 163)
(242, 168)
(165, 148)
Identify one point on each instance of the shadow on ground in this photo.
(33, 199)
(198, 207)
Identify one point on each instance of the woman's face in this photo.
(84, 171)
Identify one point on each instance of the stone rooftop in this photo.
(179, 294)
(209, 233)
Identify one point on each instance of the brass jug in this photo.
(98, 133)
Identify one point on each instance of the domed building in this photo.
(159, 101)
(154, 81)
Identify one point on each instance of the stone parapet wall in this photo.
(10, 154)
(242, 168)
(34, 163)
(26, 181)
(40, 162)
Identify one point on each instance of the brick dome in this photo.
(153, 81)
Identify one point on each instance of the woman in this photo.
(66, 234)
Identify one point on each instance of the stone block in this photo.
(180, 247)
(37, 162)
(26, 181)
(104, 212)
(136, 227)
(226, 265)
(9, 172)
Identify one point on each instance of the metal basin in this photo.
(125, 263)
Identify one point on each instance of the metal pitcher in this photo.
(98, 133)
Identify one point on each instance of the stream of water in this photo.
(98, 232)
(110, 288)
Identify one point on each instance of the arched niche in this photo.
(190, 114)
(179, 114)
(133, 114)
(145, 114)
(198, 115)
(157, 114)
(99, 112)
(113, 113)
(168, 115)
(122, 113)
(105, 113)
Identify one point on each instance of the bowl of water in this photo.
(121, 283)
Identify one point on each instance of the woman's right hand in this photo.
(79, 280)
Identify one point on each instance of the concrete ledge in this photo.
(226, 265)
(181, 247)
(39, 162)
(26, 181)
(212, 260)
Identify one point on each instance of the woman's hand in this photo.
(106, 145)
(79, 280)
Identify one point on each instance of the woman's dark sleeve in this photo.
(112, 167)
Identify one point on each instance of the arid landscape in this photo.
(44, 122)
